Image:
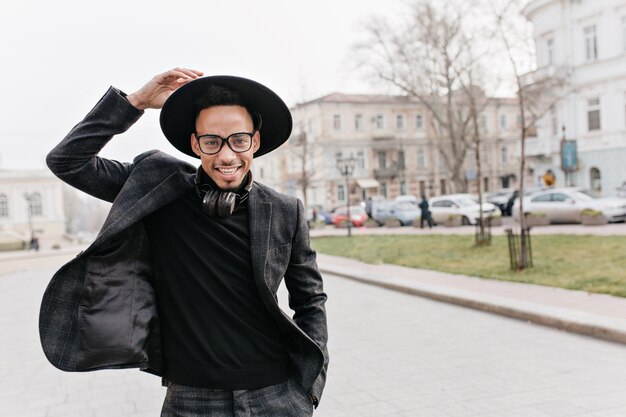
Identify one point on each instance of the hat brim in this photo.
(178, 115)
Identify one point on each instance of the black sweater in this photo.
(216, 331)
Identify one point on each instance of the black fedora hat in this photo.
(178, 115)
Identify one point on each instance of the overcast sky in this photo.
(59, 57)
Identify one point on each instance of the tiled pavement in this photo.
(392, 354)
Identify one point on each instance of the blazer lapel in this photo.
(260, 219)
(167, 191)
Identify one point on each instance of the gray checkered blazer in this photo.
(99, 310)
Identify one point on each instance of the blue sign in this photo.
(569, 156)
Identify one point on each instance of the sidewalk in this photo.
(596, 315)
(612, 229)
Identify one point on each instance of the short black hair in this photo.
(217, 95)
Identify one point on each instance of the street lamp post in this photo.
(29, 211)
(346, 168)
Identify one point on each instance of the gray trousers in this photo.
(286, 399)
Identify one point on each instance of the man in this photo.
(549, 180)
(182, 278)
(425, 214)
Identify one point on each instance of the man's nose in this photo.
(226, 154)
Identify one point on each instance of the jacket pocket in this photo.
(276, 265)
(105, 312)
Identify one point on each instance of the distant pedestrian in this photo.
(425, 214)
(34, 243)
(549, 180)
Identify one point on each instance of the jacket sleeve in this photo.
(75, 160)
(306, 294)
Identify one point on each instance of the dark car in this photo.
(503, 199)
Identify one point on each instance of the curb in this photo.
(44, 253)
(588, 324)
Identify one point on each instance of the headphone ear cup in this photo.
(209, 202)
(219, 204)
(226, 204)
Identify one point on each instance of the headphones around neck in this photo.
(218, 203)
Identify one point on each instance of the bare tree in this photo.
(537, 92)
(303, 147)
(428, 57)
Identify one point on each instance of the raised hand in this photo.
(160, 87)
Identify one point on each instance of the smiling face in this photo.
(226, 168)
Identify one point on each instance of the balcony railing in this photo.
(386, 173)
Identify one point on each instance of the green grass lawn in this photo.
(590, 263)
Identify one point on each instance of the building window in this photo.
(593, 114)
(624, 33)
(383, 189)
(483, 124)
(360, 160)
(486, 184)
(595, 179)
(422, 188)
(402, 187)
(441, 163)
(503, 121)
(380, 121)
(400, 122)
(504, 154)
(591, 43)
(519, 121)
(382, 159)
(34, 203)
(550, 51)
(337, 122)
(358, 122)
(421, 158)
(4, 206)
(554, 122)
(442, 186)
(341, 193)
(419, 122)
(401, 160)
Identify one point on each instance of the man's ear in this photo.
(195, 147)
(256, 142)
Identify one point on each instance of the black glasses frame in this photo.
(224, 140)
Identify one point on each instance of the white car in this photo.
(565, 205)
(464, 205)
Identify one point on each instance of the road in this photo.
(392, 354)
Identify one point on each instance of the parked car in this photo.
(327, 216)
(407, 198)
(358, 216)
(502, 199)
(565, 205)
(464, 205)
(403, 211)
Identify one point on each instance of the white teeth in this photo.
(227, 171)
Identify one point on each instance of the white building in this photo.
(587, 38)
(30, 201)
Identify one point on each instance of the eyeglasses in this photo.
(239, 142)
